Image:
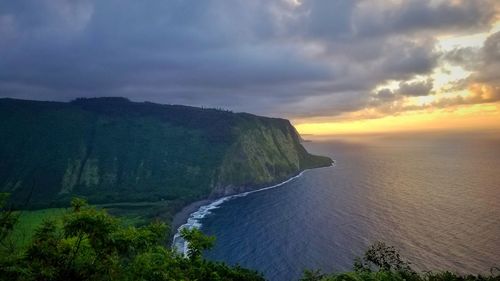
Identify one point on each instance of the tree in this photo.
(383, 257)
(312, 275)
(7, 218)
(197, 242)
(89, 244)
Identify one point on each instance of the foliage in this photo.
(312, 275)
(28, 221)
(92, 245)
(7, 217)
(382, 257)
(384, 275)
(133, 214)
(7, 221)
(113, 150)
(384, 263)
(197, 242)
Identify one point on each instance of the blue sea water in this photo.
(435, 198)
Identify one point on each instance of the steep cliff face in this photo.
(112, 150)
(265, 151)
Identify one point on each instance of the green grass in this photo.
(29, 221)
(140, 213)
(130, 213)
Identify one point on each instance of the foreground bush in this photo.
(89, 244)
(384, 263)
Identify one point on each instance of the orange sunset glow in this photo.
(473, 106)
(474, 117)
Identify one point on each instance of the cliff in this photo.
(114, 150)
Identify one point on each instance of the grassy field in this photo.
(29, 221)
(140, 213)
(135, 214)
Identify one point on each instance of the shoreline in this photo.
(190, 215)
(183, 215)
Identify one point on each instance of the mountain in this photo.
(115, 150)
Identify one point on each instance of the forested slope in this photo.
(114, 150)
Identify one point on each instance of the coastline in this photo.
(191, 215)
(183, 215)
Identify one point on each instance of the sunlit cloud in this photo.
(476, 40)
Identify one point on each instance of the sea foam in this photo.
(194, 220)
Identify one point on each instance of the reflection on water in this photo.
(435, 198)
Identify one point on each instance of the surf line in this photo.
(194, 218)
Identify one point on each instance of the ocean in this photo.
(436, 198)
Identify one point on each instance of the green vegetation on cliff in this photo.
(113, 150)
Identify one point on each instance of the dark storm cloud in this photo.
(267, 57)
(423, 16)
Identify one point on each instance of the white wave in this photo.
(194, 219)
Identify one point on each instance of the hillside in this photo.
(113, 150)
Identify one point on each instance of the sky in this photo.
(330, 66)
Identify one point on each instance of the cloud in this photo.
(319, 57)
(483, 83)
(479, 94)
(415, 89)
(405, 89)
(488, 69)
(414, 17)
